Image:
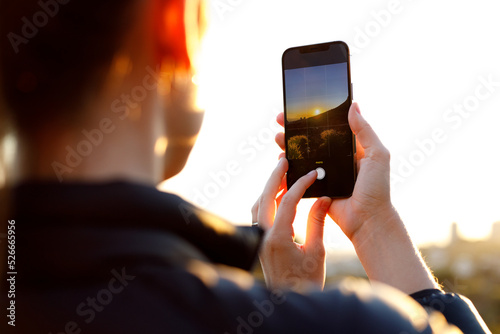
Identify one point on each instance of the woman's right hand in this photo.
(371, 199)
(370, 221)
(371, 196)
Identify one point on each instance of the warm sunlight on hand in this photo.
(371, 196)
(287, 264)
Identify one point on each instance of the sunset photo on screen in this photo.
(317, 103)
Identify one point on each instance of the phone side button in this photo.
(321, 173)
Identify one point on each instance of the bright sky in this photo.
(426, 75)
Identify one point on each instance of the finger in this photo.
(288, 207)
(316, 222)
(363, 131)
(280, 140)
(255, 211)
(266, 206)
(281, 119)
(360, 154)
(283, 191)
(360, 151)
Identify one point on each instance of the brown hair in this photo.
(54, 53)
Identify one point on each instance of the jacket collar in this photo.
(82, 223)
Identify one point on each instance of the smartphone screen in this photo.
(317, 97)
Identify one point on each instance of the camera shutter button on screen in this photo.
(321, 173)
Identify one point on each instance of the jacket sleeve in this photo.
(458, 310)
(352, 306)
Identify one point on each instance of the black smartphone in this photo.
(317, 93)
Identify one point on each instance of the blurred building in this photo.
(495, 232)
(471, 268)
(454, 234)
(460, 258)
(465, 259)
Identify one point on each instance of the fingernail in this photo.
(312, 172)
(356, 108)
(280, 162)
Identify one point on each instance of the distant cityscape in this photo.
(462, 257)
(470, 268)
(465, 259)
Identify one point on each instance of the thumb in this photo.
(316, 221)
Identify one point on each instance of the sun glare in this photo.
(232, 86)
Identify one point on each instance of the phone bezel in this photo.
(303, 58)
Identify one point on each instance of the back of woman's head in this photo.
(56, 60)
(55, 54)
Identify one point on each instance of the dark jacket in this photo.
(127, 258)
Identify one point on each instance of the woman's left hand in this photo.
(287, 264)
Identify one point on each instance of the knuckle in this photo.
(382, 154)
(319, 252)
(365, 128)
(318, 218)
(286, 200)
(386, 153)
(273, 243)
